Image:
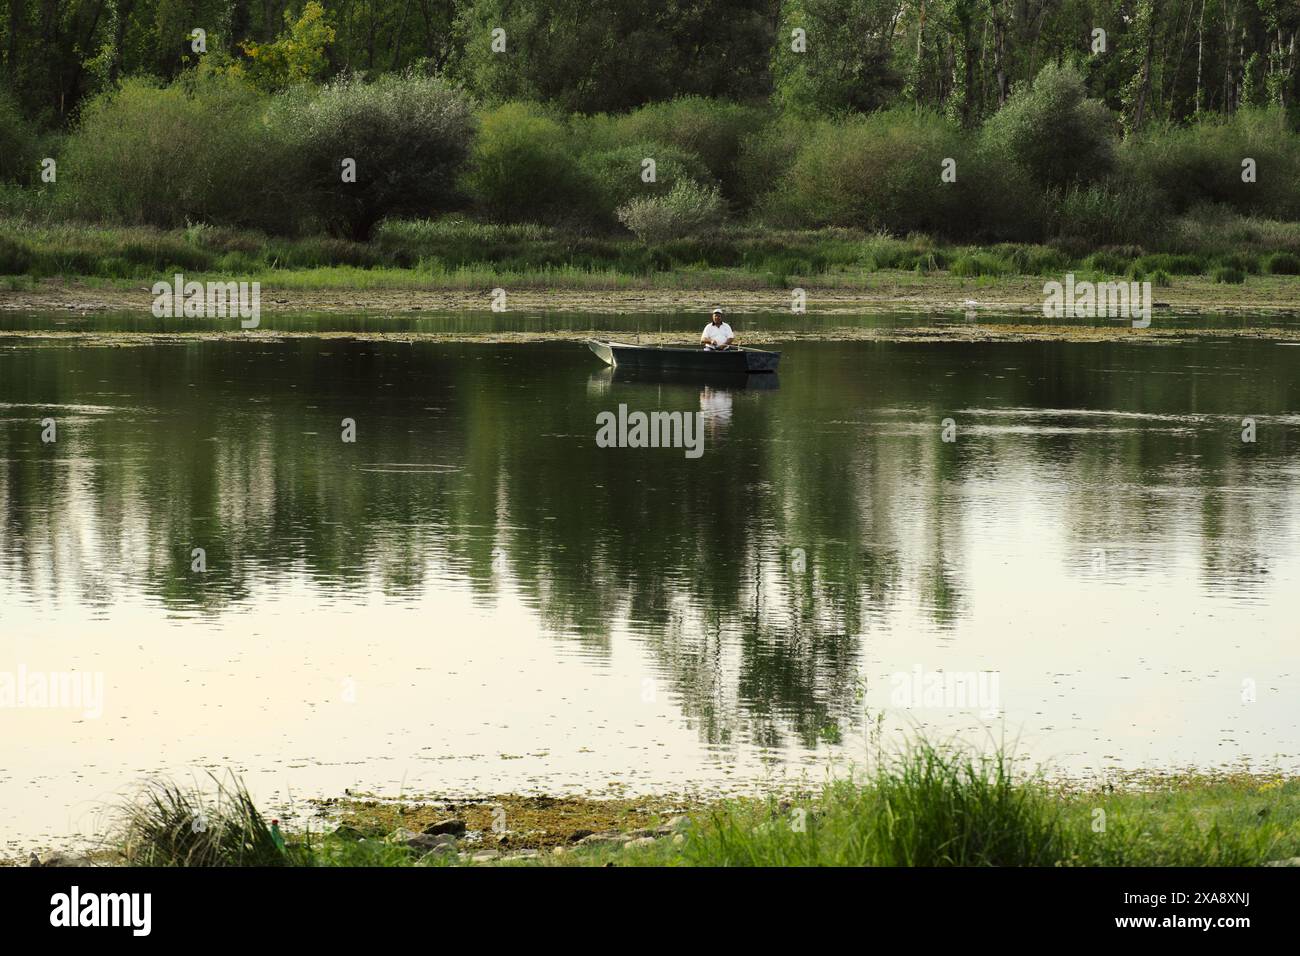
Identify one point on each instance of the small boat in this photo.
(624, 355)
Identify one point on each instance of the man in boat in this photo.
(717, 335)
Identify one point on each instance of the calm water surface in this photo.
(474, 596)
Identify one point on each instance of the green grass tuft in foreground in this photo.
(936, 807)
(168, 826)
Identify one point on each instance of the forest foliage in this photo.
(1016, 120)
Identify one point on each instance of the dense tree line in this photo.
(1155, 60)
(1088, 122)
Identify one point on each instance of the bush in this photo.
(875, 172)
(766, 155)
(688, 210)
(1200, 164)
(15, 258)
(410, 136)
(709, 131)
(1111, 262)
(195, 150)
(1241, 261)
(19, 144)
(1282, 264)
(1229, 275)
(1053, 131)
(615, 174)
(523, 167)
(1000, 200)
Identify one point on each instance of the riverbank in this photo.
(1138, 820)
(930, 808)
(399, 292)
(920, 334)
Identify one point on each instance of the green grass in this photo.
(930, 806)
(168, 826)
(456, 253)
(936, 808)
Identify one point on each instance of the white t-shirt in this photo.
(718, 334)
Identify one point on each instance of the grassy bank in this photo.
(929, 807)
(1235, 264)
(455, 253)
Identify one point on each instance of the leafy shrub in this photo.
(1240, 261)
(1200, 164)
(19, 144)
(874, 172)
(1000, 201)
(689, 209)
(15, 258)
(1229, 275)
(523, 167)
(1282, 264)
(195, 150)
(710, 131)
(766, 155)
(1053, 131)
(615, 174)
(1109, 262)
(410, 136)
(1160, 279)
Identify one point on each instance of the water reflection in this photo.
(826, 536)
(715, 407)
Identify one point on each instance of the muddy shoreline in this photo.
(973, 333)
(892, 292)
